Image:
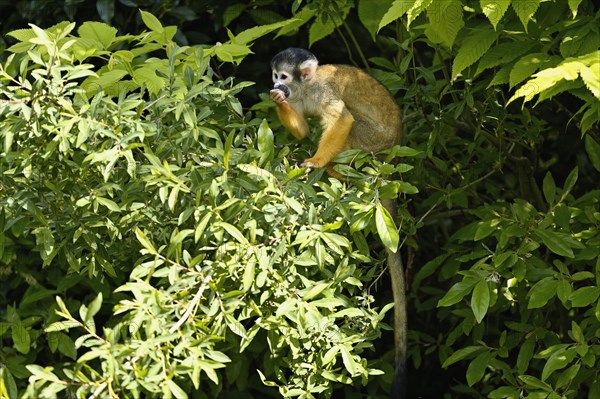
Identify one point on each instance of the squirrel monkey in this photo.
(355, 111)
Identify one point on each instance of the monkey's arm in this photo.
(337, 123)
(289, 118)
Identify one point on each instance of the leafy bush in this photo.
(111, 150)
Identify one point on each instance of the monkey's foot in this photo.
(313, 163)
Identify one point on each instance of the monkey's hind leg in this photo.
(333, 141)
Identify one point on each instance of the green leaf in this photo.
(235, 326)
(445, 21)
(66, 346)
(21, 338)
(371, 12)
(249, 35)
(386, 228)
(301, 18)
(477, 367)
(525, 10)
(480, 300)
(233, 232)
(93, 309)
(101, 33)
(577, 333)
(505, 393)
(485, 228)
(414, 9)
(564, 290)
(265, 143)
(457, 292)
(141, 237)
(227, 149)
(549, 188)
(556, 242)
(151, 21)
(402, 151)
(323, 27)
(249, 272)
(558, 360)
(570, 181)
(542, 292)
(407, 188)
(590, 117)
(8, 386)
(566, 377)
(146, 76)
(534, 383)
(494, 10)
(584, 296)
(592, 147)
(573, 5)
(462, 353)
(106, 9)
(110, 204)
(315, 290)
(22, 35)
(176, 390)
(526, 66)
(591, 78)
(397, 10)
(348, 360)
(525, 355)
(472, 49)
(232, 12)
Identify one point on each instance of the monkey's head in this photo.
(291, 68)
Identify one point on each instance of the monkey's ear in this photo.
(308, 69)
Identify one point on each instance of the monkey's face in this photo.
(290, 69)
(282, 79)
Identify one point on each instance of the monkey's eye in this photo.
(284, 76)
(274, 75)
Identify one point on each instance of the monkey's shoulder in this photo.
(349, 82)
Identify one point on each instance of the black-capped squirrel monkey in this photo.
(355, 111)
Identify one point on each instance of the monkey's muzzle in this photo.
(283, 88)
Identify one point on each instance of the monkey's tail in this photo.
(396, 270)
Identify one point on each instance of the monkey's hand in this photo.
(278, 96)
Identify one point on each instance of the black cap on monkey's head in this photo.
(290, 59)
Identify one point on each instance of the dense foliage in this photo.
(158, 240)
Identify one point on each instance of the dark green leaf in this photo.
(584, 296)
(555, 242)
(525, 356)
(456, 293)
(480, 300)
(505, 393)
(534, 383)
(558, 360)
(542, 292)
(21, 339)
(371, 12)
(593, 150)
(477, 367)
(549, 188)
(461, 354)
(570, 181)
